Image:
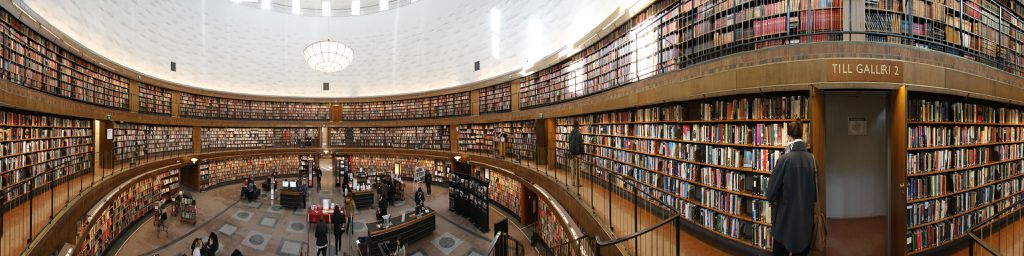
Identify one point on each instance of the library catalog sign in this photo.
(864, 70)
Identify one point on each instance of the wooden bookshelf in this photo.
(217, 172)
(154, 100)
(456, 104)
(552, 232)
(32, 61)
(693, 156)
(520, 138)
(221, 138)
(135, 141)
(128, 203)
(497, 98)
(200, 106)
(505, 191)
(964, 163)
(38, 152)
(414, 137)
(379, 164)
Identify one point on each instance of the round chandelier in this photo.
(328, 56)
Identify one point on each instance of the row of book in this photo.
(99, 231)
(31, 60)
(200, 106)
(939, 233)
(154, 100)
(17, 184)
(39, 158)
(740, 158)
(926, 212)
(243, 138)
(12, 118)
(456, 104)
(505, 191)
(924, 110)
(923, 136)
(549, 226)
(497, 98)
(519, 138)
(399, 165)
(755, 108)
(14, 133)
(137, 140)
(414, 137)
(213, 173)
(757, 134)
(957, 158)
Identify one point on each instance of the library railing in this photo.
(504, 245)
(1000, 233)
(583, 246)
(647, 238)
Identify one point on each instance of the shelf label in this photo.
(863, 70)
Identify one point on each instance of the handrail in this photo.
(638, 233)
(976, 239)
(494, 242)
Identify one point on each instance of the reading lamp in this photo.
(194, 160)
(457, 158)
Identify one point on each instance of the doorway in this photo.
(857, 172)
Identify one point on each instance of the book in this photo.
(456, 104)
(201, 106)
(519, 137)
(414, 137)
(497, 98)
(216, 172)
(224, 138)
(135, 141)
(154, 100)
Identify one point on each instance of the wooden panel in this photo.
(817, 139)
(336, 113)
(175, 103)
(898, 171)
(133, 97)
(197, 139)
(515, 96)
(474, 102)
(105, 145)
(549, 135)
(453, 136)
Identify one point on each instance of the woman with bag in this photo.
(792, 191)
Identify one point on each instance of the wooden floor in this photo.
(860, 236)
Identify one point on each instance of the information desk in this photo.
(363, 198)
(410, 230)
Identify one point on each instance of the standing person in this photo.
(338, 221)
(575, 150)
(197, 247)
(419, 200)
(212, 244)
(318, 174)
(350, 210)
(321, 238)
(792, 192)
(429, 179)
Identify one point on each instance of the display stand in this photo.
(188, 209)
(468, 197)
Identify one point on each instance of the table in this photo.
(363, 198)
(292, 198)
(316, 213)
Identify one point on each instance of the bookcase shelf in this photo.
(220, 138)
(456, 104)
(32, 61)
(38, 152)
(964, 163)
(694, 155)
(378, 164)
(520, 138)
(154, 100)
(116, 214)
(505, 191)
(468, 197)
(216, 172)
(551, 230)
(200, 106)
(497, 98)
(134, 141)
(414, 137)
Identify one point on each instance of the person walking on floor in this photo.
(428, 180)
(418, 198)
(792, 191)
(338, 222)
(212, 244)
(321, 238)
(350, 210)
(197, 247)
(317, 174)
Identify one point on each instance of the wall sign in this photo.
(864, 70)
(857, 126)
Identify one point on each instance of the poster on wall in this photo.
(857, 126)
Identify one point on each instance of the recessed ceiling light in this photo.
(325, 8)
(296, 7)
(383, 5)
(265, 4)
(355, 7)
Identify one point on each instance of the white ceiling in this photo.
(225, 46)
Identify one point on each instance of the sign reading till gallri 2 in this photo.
(852, 70)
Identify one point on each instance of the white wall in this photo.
(856, 166)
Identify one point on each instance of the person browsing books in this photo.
(792, 191)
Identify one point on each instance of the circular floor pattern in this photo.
(242, 215)
(447, 242)
(257, 239)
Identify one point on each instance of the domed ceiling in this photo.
(237, 46)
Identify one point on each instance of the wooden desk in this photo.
(412, 229)
(292, 198)
(364, 199)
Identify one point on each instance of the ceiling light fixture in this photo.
(328, 56)
(325, 8)
(296, 7)
(355, 7)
